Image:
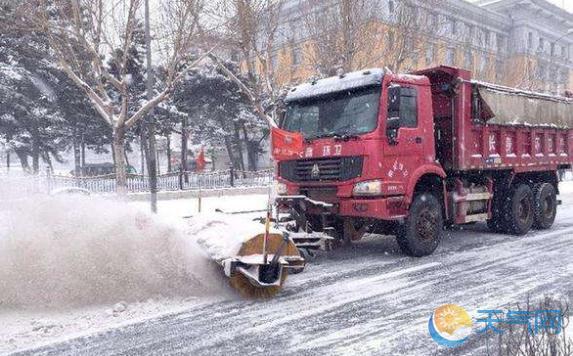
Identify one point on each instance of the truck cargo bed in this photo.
(482, 126)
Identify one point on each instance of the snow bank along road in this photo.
(367, 298)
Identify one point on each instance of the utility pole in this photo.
(152, 153)
(184, 148)
(8, 153)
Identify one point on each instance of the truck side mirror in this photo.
(393, 115)
(394, 95)
(393, 123)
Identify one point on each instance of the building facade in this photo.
(522, 43)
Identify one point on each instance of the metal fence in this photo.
(26, 184)
(18, 183)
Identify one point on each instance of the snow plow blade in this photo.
(251, 276)
(238, 245)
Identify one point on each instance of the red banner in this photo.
(200, 160)
(285, 144)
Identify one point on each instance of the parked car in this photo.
(101, 169)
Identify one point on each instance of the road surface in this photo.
(364, 299)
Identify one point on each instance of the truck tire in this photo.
(545, 205)
(421, 232)
(518, 210)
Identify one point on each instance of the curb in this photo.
(183, 194)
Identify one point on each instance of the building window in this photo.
(562, 75)
(541, 47)
(553, 75)
(565, 77)
(454, 25)
(499, 70)
(253, 64)
(480, 41)
(468, 59)
(430, 54)
(294, 27)
(412, 13)
(552, 49)
(409, 44)
(450, 56)
(391, 7)
(235, 56)
(390, 40)
(563, 52)
(433, 20)
(530, 40)
(470, 33)
(487, 35)
(483, 64)
(541, 71)
(274, 60)
(500, 43)
(296, 56)
(415, 61)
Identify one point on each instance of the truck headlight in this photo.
(281, 188)
(368, 188)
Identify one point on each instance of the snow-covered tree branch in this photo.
(83, 34)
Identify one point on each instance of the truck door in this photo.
(406, 139)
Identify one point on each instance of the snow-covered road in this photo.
(363, 299)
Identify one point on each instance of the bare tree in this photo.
(351, 34)
(83, 33)
(339, 32)
(525, 74)
(411, 31)
(549, 337)
(251, 27)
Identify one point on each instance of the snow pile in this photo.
(74, 250)
(221, 236)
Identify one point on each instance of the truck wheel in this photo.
(518, 210)
(545, 205)
(421, 232)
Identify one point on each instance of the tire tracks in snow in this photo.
(360, 304)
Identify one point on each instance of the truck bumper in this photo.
(386, 208)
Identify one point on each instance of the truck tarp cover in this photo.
(508, 106)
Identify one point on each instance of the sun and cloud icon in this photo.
(450, 325)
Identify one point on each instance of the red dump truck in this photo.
(409, 154)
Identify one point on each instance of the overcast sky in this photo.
(566, 4)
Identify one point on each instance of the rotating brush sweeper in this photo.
(256, 261)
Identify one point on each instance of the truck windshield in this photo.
(349, 113)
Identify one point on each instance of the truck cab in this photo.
(387, 153)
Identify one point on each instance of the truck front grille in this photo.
(326, 194)
(321, 169)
